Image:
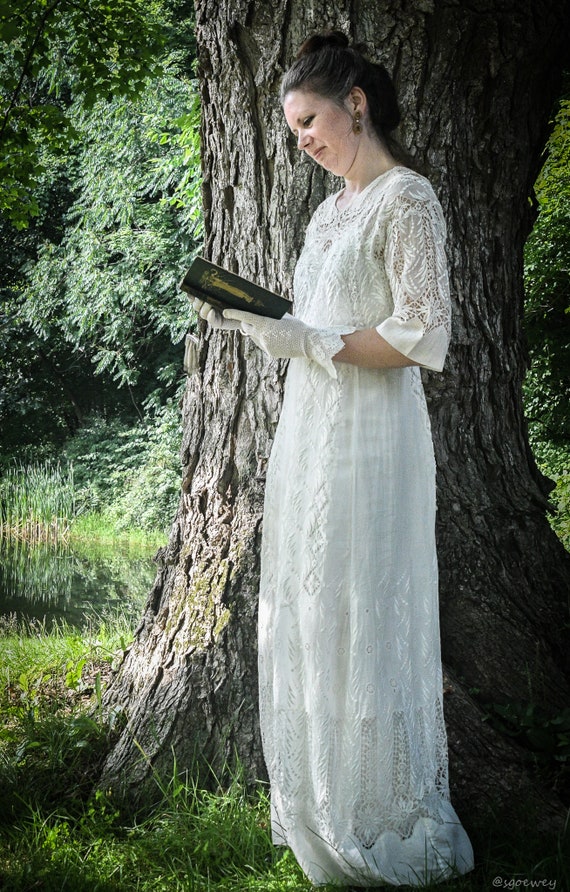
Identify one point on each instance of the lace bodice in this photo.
(380, 263)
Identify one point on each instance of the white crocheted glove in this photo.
(288, 338)
(212, 316)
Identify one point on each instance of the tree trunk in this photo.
(476, 87)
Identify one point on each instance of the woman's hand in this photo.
(213, 317)
(284, 338)
(290, 338)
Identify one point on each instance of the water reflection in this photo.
(73, 582)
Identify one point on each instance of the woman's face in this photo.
(323, 130)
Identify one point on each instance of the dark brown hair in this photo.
(329, 66)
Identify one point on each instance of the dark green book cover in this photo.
(224, 290)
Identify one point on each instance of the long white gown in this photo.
(349, 650)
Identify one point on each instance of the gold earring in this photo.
(356, 125)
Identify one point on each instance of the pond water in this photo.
(75, 583)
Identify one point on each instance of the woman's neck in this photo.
(371, 161)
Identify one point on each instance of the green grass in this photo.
(34, 651)
(56, 834)
(98, 527)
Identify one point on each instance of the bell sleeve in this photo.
(415, 262)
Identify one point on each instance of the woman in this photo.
(349, 659)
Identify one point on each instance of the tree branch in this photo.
(29, 56)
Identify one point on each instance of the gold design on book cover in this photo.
(214, 280)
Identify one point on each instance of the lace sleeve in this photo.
(420, 324)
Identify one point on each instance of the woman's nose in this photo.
(302, 139)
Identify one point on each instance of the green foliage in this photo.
(547, 324)
(547, 285)
(125, 474)
(41, 652)
(561, 498)
(553, 183)
(54, 51)
(179, 168)
(130, 472)
(148, 496)
(91, 319)
(547, 320)
(45, 387)
(100, 307)
(109, 287)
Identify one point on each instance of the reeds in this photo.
(37, 502)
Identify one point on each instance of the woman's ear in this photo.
(357, 100)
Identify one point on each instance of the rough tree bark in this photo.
(477, 85)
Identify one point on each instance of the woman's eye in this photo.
(308, 121)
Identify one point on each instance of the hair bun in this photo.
(330, 66)
(328, 39)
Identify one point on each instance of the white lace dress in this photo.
(349, 653)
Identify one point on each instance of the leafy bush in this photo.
(149, 495)
(547, 322)
(130, 472)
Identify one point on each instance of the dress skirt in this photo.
(349, 646)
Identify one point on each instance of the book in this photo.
(224, 290)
